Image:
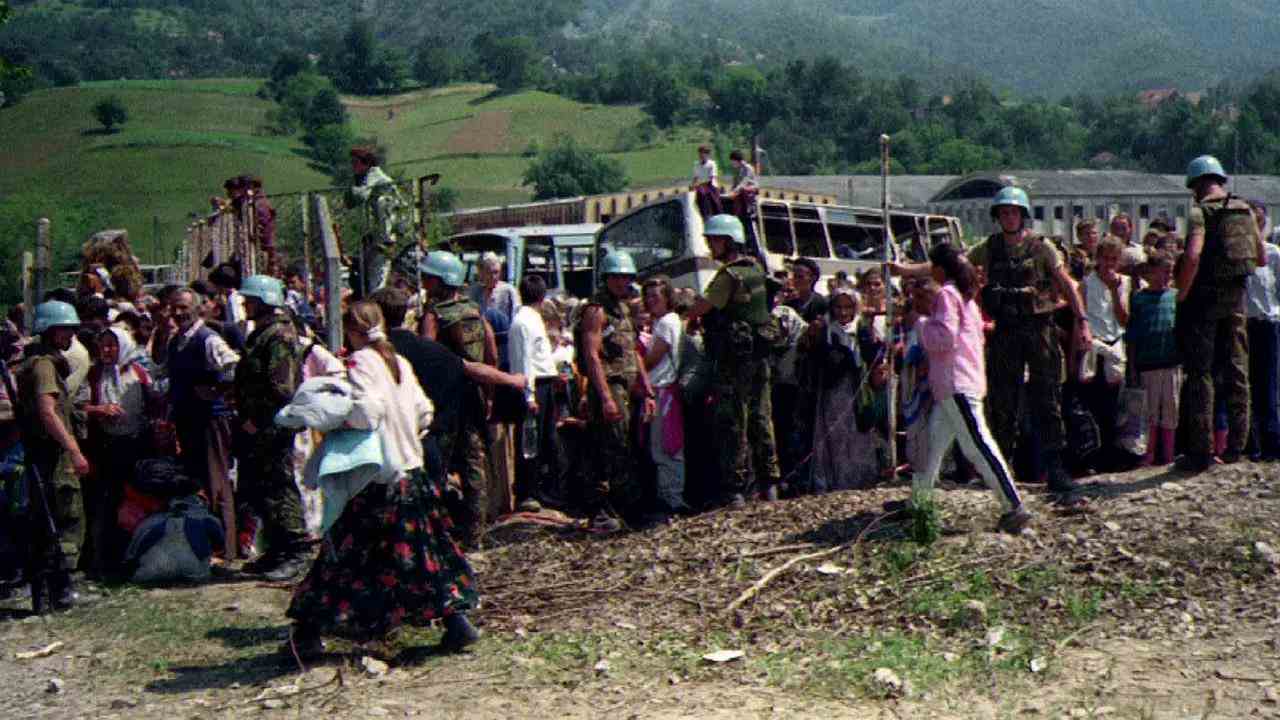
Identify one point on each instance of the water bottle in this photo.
(529, 437)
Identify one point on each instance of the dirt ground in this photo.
(1161, 603)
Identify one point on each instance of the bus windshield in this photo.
(652, 235)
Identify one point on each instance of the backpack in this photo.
(1230, 234)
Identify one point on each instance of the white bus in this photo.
(665, 237)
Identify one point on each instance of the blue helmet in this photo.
(618, 262)
(446, 266)
(1014, 196)
(1204, 165)
(55, 313)
(726, 226)
(266, 289)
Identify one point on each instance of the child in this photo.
(1154, 352)
(1106, 298)
(953, 339)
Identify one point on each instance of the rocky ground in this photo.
(1161, 603)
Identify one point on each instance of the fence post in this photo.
(332, 272)
(306, 242)
(44, 258)
(28, 294)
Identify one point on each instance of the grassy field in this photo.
(184, 137)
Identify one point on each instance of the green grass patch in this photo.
(185, 138)
(217, 86)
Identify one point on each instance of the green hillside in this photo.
(183, 138)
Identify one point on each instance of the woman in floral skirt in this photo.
(388, 560)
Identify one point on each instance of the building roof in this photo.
(1071, 183)
(911, 192)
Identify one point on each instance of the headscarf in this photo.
(112, 384)
(846, 335)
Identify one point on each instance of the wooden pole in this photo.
(306, 242)
(332, 272)
(891, 388)
(44, 258)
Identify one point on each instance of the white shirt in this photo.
(1261, 298)
(703, 173)
(669, 330)
(529, 349)
(1100, 308)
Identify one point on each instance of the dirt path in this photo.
(1158, 605)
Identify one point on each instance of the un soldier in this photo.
(614, 368)
(44, 416)
(458, 325)
(266, 378)
(740, 335)
(1223, 249)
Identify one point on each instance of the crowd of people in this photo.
(366, 474)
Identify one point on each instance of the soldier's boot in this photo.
(290, 565)
(1063, 490)
(40, 604)
(62, 592)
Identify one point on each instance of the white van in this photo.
(665, 237)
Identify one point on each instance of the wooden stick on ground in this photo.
(768, 577)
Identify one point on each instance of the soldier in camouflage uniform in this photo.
(457, 324)
(740, 336)
(1223, 248)
(1025, 278)
(266, 378)
(390, 214)
(611, 360)
(56, 519)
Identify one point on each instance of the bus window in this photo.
(576, 268)
(811, 238)
(857, 242)
(652, 235)
(777, 228)
(539, 259)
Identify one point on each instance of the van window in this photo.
(652, 235)
(855, 236)
(539, 259)
(777, 228)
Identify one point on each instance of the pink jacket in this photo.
(952, 336)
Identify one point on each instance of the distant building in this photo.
(1061, 197)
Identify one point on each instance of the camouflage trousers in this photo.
(464, 452)
(265, 485)
(1025, 346)
(1214, 343)
(58, 527)
(747, 450)
(612, 481)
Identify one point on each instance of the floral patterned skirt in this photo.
(388, 560)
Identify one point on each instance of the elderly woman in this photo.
(122, 402)
(847, 449)
(388, 560)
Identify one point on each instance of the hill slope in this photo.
(184, 138)
(1042, 48)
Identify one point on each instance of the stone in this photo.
(373, 666)
(888, 682)
(55, 686)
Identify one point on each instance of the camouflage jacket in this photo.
(268, 373)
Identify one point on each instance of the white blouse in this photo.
(401, 413)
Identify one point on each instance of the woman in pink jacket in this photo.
(953, 340)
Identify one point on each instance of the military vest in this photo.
(257, 395)
(461, 328)
(1015, 287)
(618, 337)
(1230, 241)
(33, 431)
(744, 327)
